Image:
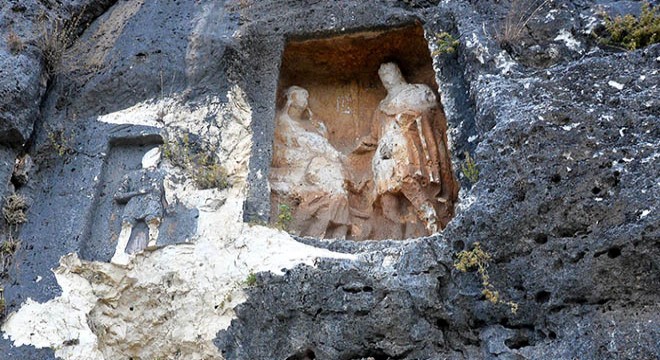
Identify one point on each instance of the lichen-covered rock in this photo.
(564, 134)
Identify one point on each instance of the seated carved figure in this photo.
(307, 171)
(411, 172)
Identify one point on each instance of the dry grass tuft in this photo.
(14, 42)
(55, 38)
(14, 209)
(520, 13)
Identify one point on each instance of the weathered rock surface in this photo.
(564, 133)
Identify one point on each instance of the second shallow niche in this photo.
(360, 139)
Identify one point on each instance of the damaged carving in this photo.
(395, 182)
(142, 193)
(307, 170)
(409, 164)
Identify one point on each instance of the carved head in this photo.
(297, 97)
(151, 158)
(390, 75)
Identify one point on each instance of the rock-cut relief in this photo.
(142, 195)
(308, 171)
(396, 182)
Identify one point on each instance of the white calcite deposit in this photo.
(173, 300)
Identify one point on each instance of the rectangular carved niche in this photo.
(122, 174)
(360, 139)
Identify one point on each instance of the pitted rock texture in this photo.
(564, 133)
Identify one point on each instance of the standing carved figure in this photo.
(308, 170)
(410, 161)
(142, 193)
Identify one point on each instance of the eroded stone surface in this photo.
(566, 200)
(386, 172)
(308, 175)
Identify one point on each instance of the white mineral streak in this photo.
(615, 85)
(504, 62)
(479, 50)
(175, 299)
(569, 40)
(570, 126)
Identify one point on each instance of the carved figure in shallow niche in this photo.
(307, 170)
(142, 193)
(410, 161)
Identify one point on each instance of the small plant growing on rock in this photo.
(14, 42)
(445, 44)
(202, 166)
(9, 247)
(2, 304)
(7, 250)
(469, 169)
(632, 33)
(209, 174)
(14, 210)
(284, 217)
(55, 37)
(251, 279)
(60, 142)
(478, 258)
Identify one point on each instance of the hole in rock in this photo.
(555, 178)
(613, 252)
(458, 245)
(542, 297)
(360, 150)
(521, 339)
(579, 256)
(442, 324)
(306, 354)
(541, 238)
(517, 342)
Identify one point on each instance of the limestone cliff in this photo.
(563, 130)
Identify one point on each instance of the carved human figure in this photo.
(410, 161)
(142, 193)
(308, 170)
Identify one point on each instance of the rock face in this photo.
(564, 133)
